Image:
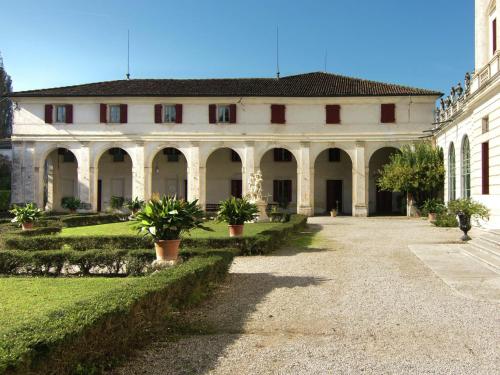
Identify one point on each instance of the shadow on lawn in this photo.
(195, 339)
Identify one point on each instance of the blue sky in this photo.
(425, 43)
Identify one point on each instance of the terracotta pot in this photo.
(236, 230)
(432, 216)
(27, 226)
(167, 249)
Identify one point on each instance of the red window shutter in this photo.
(103, 113)
(178, 113)
(232, 113)
(69, 113)
(48, 113)
(212, 108)
(333, 114)
(158, 110)
(277, 114)
(494, 35)
(388, 113)
(276, 191)
(123, 114)
(485, 167)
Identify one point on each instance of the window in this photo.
(282, 191)
(494, 35)
(118, 154)
(169, 113)
(61, 113)
(387, 113)
(172, 154)
(452, 183)
(223, 113)
(332, 114)
(114, 114)
(485, 167)
(334, 154)
(68, 156)
(465, 168)
(282, 154)
(235, 157)
(485, 126)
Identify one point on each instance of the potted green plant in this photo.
(164, 220)
(275, 215)
(71, 203)
(26, 215)
(235, 211)
(467, 209)
(432, 207)
(134, 205)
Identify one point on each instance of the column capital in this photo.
(360, 144)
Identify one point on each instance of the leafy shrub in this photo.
(469, 208)
(236, 211)
(445, 219)
(91, 332)
(135, 204)
(27, 214)
(71, 203)
(117, 202)
(167, 218)
(4, 200)
(432, 205)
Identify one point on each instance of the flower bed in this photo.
(87, 334)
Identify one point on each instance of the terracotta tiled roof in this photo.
(302, 85)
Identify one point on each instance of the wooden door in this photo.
(99, 195)
(236, 188)
(334, 195)
(384, 202)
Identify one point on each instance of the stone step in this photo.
(484, 255)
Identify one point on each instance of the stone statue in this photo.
(459, 90)
(452, 93)
(255, 187)
(443, 104)
(467, 81)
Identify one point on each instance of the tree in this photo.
(418, 171)
(5, 102)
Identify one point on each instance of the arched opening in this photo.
(279, 174)
(452, 172)
(60, 178)
(114, 183)
(333, 182)
(170, 173)
(223, 177)
(466, 167)
(383, 202)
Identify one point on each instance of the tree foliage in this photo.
(5, 104)
(417, 170)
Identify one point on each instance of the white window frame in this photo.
(225, 119)
(110, 116)
(56, 111)
(167, 117)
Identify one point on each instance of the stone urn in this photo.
(167, 250)
(236, 230)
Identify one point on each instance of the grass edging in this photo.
(89, 333)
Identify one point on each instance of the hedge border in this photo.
(261, 243)
(87, 334)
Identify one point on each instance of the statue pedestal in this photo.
(261, 205)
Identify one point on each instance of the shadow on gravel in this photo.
(194, 340)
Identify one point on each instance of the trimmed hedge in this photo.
(85, 336)
(262, 243)
(91, 219)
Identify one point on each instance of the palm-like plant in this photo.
(135, 204)
(26, 214)
(167, 218)
(235, 211)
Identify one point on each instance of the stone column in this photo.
(148, 182)
(249, 166)
(84, 176)
(305, 181)
(196, 176)
(359, 181)
(17, 169)
(138, 180)
(30, 175)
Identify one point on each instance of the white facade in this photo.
(204, 169)
(476, 118)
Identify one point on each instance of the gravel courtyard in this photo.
(356, 300)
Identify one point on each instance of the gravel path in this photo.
(355, 301)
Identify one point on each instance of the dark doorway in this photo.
(384, 202)
(99, 195)
(334, 195)
(236, 188)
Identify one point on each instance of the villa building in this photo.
(319, 140)
(468, 122)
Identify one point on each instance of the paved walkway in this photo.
(355, 301)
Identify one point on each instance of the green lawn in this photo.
(127, 228)
(25, 299)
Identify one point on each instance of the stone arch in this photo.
(465, 167)
(382, 202)
(260, 152)
(169, 168)
(333, 181)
